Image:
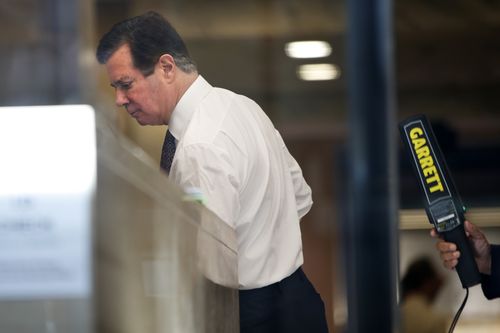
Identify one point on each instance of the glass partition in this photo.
(164, 263)
(160, 261)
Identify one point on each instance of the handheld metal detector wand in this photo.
(442, 202)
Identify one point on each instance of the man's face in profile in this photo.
(144, 97)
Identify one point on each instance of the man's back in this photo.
(250, 181)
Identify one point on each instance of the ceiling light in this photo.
(318, 72)
(308, 49)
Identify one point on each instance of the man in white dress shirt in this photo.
(223, 144)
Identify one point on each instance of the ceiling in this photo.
(447, 52)
(447, 55)
(441, 44)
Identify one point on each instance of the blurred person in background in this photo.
(419, 288)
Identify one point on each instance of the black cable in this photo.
(459, 312)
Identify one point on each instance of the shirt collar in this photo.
(187, 105)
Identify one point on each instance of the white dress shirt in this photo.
(228, 148)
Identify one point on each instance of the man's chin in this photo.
(142, 123)
(146, 123)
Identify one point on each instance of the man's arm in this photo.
(208, 169)
(491, 283)
(303, 194)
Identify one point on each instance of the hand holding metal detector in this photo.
(442, 202)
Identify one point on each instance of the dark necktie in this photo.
(167, 152)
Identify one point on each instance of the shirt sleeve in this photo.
(491, 283)
(208, 169)
(303, 194)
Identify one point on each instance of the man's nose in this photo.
(121, 98)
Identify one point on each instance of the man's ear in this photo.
(167, 65)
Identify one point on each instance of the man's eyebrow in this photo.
(122, 81)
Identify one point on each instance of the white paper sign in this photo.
(47, 183)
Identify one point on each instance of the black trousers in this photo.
(291, 305)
